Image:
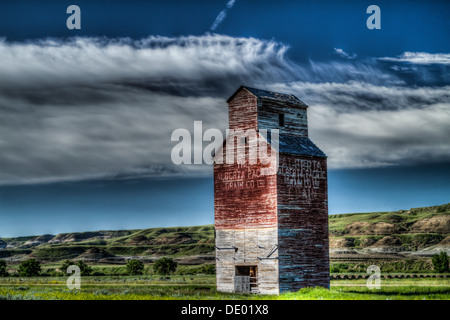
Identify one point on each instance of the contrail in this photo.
(222, 15)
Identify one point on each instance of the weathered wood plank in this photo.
(284, 213)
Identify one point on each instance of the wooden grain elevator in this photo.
(271, 217)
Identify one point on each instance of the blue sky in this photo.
(86, 115)
(311, 27)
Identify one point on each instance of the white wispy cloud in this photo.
(421, 58)
(344, 54)
(222, 15)
(365, 125)
(51, 61)
(90, 107)
(94, 107)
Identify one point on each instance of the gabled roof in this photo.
(264, 94)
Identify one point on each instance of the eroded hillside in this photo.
(418, 232)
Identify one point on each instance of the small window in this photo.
(281, 119)
(244, 140)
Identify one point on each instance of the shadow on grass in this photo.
(412, 292)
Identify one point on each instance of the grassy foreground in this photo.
(203, 288)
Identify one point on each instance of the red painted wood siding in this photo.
(242, 111)
(243, 198)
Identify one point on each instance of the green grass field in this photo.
(107, 252)
(203, 287)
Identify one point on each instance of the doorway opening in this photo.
(246, 279)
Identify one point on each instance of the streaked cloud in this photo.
(222, 15)
(364, 125)
(421, 58)
(86, 108)
(344, 54)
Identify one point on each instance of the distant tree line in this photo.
(32, 268)
(163, 266)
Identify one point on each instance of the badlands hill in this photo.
(418, 232)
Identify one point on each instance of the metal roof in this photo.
(297, 145)
(264, 94)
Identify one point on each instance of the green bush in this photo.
(29, 268)
(339, 267)
(135, 267)
(3, 270)
(165, 266)
(440, 262)
(64, 265)
(85, 269)
(51, 272)
(208, 269)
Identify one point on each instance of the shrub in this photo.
(65, 264)
(339, 267)
(440, 262)
(29, 268)
(135, 267)
(85, 269)
(208, 269)
(51, 272)
(3, 270)
(165, 266)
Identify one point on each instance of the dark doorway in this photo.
(246, 279)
